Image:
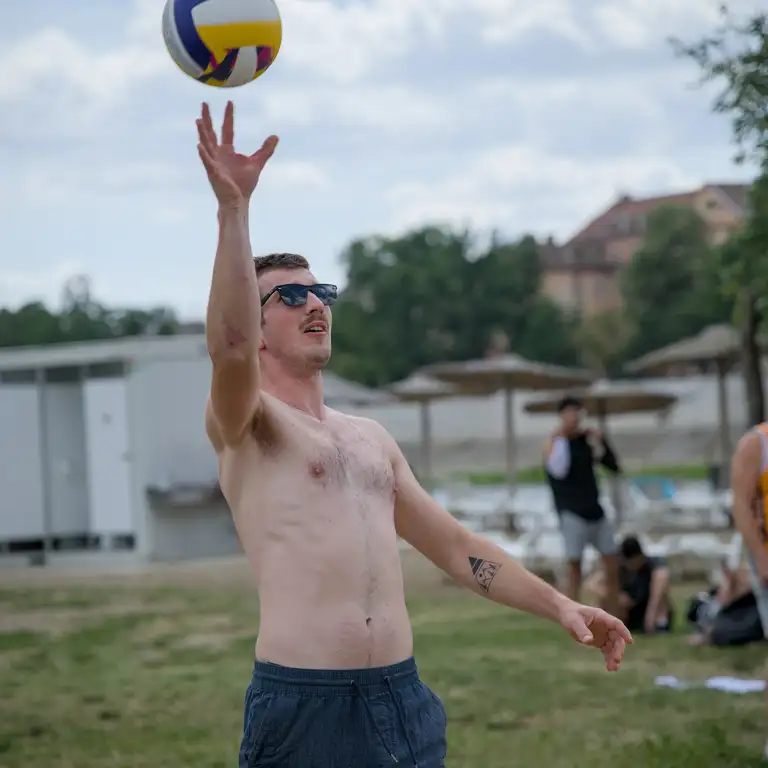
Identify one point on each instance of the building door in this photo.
(107, 438)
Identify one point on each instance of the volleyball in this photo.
(224, 43)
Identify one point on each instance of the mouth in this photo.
(318, 327)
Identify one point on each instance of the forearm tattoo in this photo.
(484, 571)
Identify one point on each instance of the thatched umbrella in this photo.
(340, 392)
(717, 345)
(608, 398)
(422, 389)
(507, 373)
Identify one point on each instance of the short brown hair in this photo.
(279, 261)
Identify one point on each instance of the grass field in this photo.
(135, 672)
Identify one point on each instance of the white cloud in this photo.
(65, 183)
(22, 286)
(358, 89)
(73, 184)
(506, 21)
(300, 173)
(642, 24)
(523, 189)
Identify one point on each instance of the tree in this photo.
(433, 295)
(81, 319)
(735, 56)
(603, 340)
(670, 287)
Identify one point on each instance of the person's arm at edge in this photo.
(659, 585)
(745, 475)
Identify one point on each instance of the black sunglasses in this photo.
(295, 294)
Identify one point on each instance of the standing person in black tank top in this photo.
(569, 460)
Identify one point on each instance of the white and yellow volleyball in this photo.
(224, 43)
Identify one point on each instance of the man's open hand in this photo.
(597, 629)
(233, 176)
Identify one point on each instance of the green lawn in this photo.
(153, 676)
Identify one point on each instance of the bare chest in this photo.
(309, 463)
(343, 458)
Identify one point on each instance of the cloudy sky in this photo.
(520, 115)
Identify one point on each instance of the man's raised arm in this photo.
(233, 320)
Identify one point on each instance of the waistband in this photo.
(274, 678)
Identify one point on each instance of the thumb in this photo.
(580, 630)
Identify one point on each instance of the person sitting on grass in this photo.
(645, 605)
(727, 613)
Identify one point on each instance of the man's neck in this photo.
(305, 393)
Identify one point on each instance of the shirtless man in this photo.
(319, 500)
(749, 482)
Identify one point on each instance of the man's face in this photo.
(570, 418)
(299, 336)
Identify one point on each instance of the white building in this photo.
(103, 445)
(96, 438)
(103, 448)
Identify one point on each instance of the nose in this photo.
(313, 303)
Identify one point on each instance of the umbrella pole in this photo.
(426, 444)
(723, 420)
(510, 453)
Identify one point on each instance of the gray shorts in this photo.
(761, 593)
(578, 532)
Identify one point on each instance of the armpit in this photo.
(265, 430)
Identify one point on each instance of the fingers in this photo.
(203, 136)
(228, 126)
(614, 654)
(266, 150)
(207, 159)
(207, 123)
(622, 631)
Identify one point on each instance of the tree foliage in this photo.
(671, 288)
(735, 57)
(81, 318)
(433, 295)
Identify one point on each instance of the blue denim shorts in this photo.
(352, 718)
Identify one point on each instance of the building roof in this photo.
(126, 350)
(138, 349)
(734, 194)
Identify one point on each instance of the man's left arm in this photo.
(483, 567)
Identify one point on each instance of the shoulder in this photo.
(749, 443)
(375, 432)
(264, 427)
(749, 449)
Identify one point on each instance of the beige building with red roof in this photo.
(582, 274)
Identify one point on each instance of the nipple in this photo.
(316, 469)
